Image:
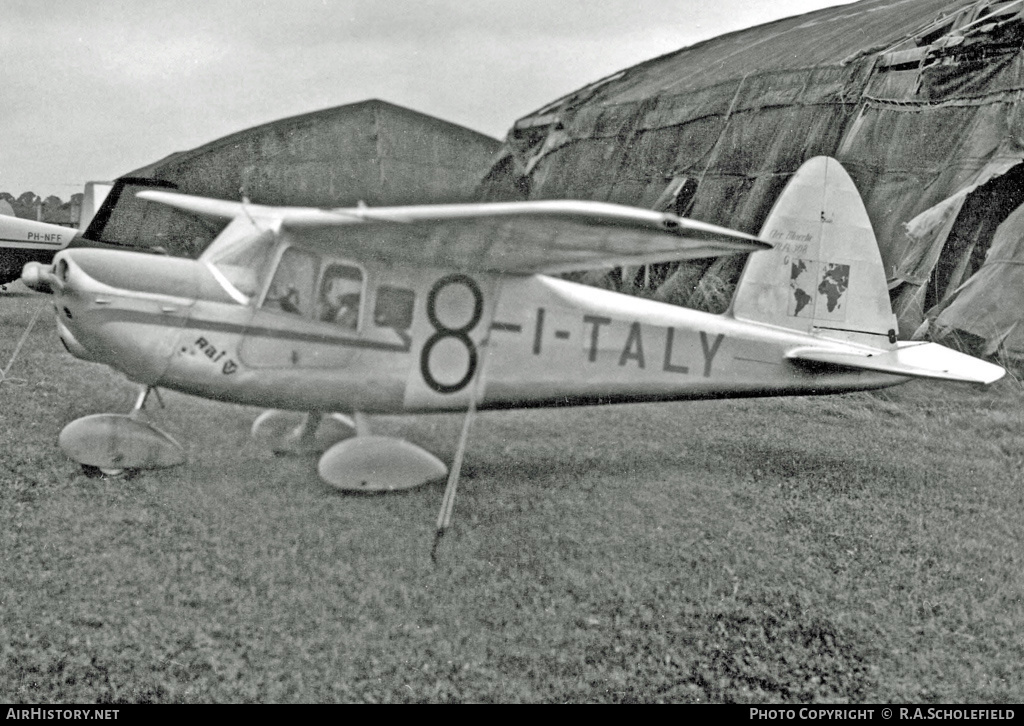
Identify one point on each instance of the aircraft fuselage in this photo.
(420, 341)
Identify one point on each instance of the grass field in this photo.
(860, 548)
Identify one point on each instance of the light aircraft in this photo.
(344, 313)
(26, 240)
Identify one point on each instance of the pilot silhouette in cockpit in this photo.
(340, 294)
(292, 284)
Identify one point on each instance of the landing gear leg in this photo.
(302, 439)
(140, 401)
(299, 434)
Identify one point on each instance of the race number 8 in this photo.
(442, 331)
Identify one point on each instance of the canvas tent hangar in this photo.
(373, 152)
(918, 99)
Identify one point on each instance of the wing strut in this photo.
(444, 517)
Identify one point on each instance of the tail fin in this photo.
(824, 275)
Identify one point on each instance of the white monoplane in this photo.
(345, 312)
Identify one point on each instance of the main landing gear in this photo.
(114, 445)
(352, 459)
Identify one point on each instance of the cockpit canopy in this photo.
(256, 269)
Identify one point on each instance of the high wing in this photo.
(504, 237)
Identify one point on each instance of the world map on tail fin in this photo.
(801, 277)
(805, 286)
(833, 285)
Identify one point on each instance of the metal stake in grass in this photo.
(21, 342)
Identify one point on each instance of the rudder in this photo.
(824, 275)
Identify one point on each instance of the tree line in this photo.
(53, 209)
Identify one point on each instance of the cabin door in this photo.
(310, 315)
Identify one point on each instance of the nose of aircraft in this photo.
(39, 277)
(117, 307)
(113, 271)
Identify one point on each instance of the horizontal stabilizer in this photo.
(543, 236)
(913, 359)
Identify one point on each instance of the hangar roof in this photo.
(372, 151)
(833, 36)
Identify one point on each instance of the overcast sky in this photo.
(92, 90)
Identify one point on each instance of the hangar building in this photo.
(373, 152)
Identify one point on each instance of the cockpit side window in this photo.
(291, 290)
(394, 307)
(341, 294)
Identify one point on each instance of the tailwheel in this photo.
(114, 445)
(297, 434)
(379, 464)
